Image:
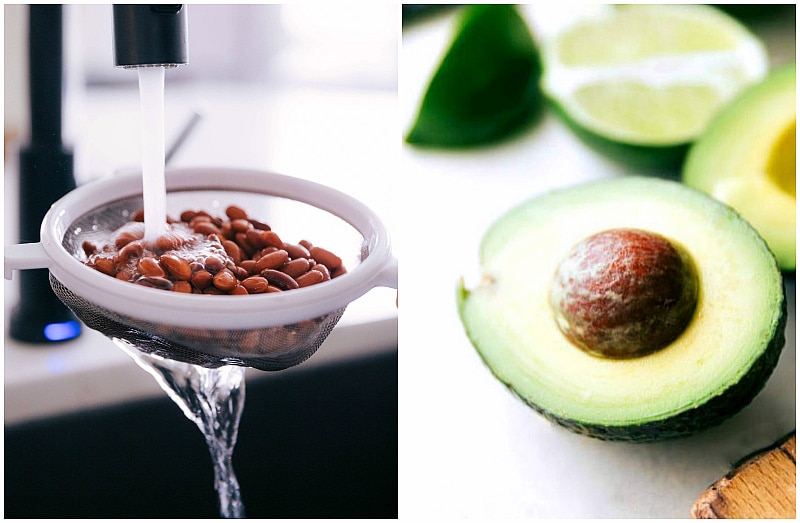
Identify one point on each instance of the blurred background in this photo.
(266, 48)
(304, 90)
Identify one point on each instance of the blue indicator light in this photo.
(62, 331)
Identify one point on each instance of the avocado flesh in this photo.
(747, 159)
(708, 373)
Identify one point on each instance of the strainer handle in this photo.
(387, 277)
(24, 256)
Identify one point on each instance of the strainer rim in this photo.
(238, 312)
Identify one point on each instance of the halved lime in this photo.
(487, 84)
(641, 82)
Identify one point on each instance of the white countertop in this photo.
(342, 138)
(469, 448)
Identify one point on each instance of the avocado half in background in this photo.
(747, 158)
(701, 341)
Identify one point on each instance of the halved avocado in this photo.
(747, 158)
(711, 370)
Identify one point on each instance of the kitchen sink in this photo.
(316, 443)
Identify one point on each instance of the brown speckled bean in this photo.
(248, 265)
(255, 284)
(272, 260)
(171, 241)
(225, 281)
(296, 267)
(155, 282)
(296, 251)
(198, 219)
(240, 225)
(259, 225)
(106, 266)
(150, 267)
(206, 228)
(325, 257)
(235, 213)
(214, 264)
(323, 269)
(177, 267)
(263, 252)
(271, 239)
(233, 251)
(279, 279)
(254, 239)
(310, 278)
(239, 291)
(202, 279)
(241, 240)
(182, 286)
(132, 250)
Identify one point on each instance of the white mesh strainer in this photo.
(265, 331)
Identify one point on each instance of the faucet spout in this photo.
(150, 35)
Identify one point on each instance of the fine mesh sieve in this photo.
(265, 331)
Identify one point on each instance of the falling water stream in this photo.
(212, 398)
(151, 95)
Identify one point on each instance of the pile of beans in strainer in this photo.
(203, 254)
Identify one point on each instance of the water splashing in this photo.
(213, 399)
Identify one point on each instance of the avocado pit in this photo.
(624, 293)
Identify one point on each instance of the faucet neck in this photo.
(45, 59)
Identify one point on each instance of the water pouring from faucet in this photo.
(150, 39)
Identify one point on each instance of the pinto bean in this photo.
(236, 255)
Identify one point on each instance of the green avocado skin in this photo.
(689, 422)
(486, 87)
